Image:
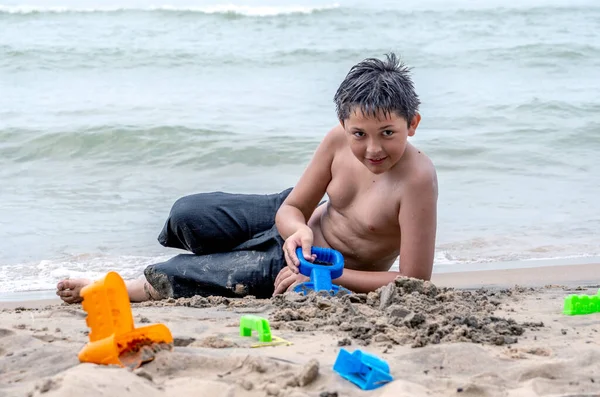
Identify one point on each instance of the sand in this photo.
(438, 341)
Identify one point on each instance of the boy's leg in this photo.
(139, 290)
(207, 223)
(249, 269)
(203, 223)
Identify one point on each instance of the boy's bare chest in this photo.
(369, 201)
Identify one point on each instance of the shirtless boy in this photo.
(382, 203)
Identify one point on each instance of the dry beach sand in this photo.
(445, 338)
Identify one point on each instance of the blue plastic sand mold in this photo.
(363, 369)
(321, 275)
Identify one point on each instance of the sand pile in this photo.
(407, 311)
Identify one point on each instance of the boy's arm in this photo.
(298, 207)
(364, 281)
(418, 224)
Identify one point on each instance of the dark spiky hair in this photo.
(376, 85)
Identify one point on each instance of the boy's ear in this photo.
(414, 123)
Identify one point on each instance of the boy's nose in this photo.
(374, 147)
(374, 150)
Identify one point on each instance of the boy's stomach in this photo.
(333, 230)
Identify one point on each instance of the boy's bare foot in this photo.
(69, 290)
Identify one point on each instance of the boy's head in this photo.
(378, 107)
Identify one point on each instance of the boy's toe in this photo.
(64, 293)
(65, 284)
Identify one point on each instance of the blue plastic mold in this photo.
(365, 370)
(320, 274)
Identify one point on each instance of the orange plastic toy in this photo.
(113, 337)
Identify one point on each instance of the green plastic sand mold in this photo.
(582, 304)
(249, 323)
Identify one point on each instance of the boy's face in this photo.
(378, 142)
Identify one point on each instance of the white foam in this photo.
(441, 258)
(47, 273)
(254, 11)
(574, 256)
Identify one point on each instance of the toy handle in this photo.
(323, 254)
(321, 279)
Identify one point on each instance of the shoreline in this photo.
(587, 275)
(556, 273)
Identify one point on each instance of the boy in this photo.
(382, 204)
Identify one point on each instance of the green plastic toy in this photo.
(250, 322)
(582, 304)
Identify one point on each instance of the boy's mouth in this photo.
(377, 161)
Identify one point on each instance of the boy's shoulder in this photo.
(418, 174)
(419, 165)
(335, 138)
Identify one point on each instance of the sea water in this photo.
(111, 110)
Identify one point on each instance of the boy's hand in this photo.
(286, 280)
(302, 238)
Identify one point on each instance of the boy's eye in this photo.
(388, 133)
(359, 134)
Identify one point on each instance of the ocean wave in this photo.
(167, 145)
(242, 10)
(65, 57)
(550, 108)
(543, 54)
(60, 56)
(456, 11)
